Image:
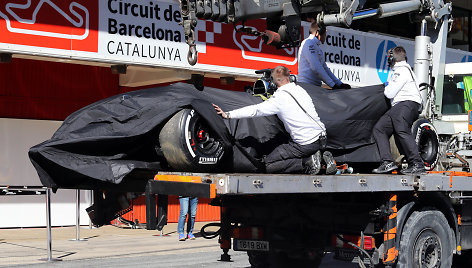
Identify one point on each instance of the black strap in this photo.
(414, 80)
(323, 129)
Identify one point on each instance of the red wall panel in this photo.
(205, 212)
(50, 90)
(34, 89)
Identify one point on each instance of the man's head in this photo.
(395, 55)
(281, 75)
(318, 31)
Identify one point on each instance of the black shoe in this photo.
(330, 163)
(414, 169)
(385, 167)
(312, 164)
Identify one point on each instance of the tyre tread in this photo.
(436, 217)
(170, 142)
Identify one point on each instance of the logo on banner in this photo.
(383, 68)
(243, 51)
(466, 59)
(52, 24)
(251, 47)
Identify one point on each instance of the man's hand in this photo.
(336, 86)
(219, 111)
(341, 86)
(345, 86)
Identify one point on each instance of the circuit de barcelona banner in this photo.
(148, 33)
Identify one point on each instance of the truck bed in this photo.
(242, 184)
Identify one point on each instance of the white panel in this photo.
(30, 211)
(16, 137)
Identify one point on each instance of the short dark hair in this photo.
(280, 72)
(399, 53)
(314, 27)
(321, 29)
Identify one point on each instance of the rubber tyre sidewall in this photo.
(175, 140)
(421, 129)
(417, 223)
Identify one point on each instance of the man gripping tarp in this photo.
(294, 107)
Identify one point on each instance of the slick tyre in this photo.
(426, 241)
(188, 144)
(427, 139)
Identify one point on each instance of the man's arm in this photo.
(268, 107)
(319, 67)
(331, 75)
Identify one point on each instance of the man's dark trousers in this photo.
(398, 121)
(287, 158)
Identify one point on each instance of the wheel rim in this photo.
(426, 148)
(428, 249)
(204, 138)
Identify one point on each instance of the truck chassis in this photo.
(282, 219)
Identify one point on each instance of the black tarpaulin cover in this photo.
(115, 138)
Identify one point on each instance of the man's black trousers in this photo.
(287, 158)
(398, 121)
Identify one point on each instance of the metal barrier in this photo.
(77, 217)
(34, 190)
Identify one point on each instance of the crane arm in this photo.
(284, 16)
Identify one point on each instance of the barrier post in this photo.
(48, 226)
(77, 217)
(91, 203)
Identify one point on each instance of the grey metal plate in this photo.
(294, 183)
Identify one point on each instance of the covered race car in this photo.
(129, 137)
(117, 144)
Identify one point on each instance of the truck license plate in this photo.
(250, 245)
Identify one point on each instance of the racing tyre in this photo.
(189, 144)
(428, 142)
(426, 241)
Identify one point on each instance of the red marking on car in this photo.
(193, 145)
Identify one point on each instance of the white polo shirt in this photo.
(401, 84)
(302, 129)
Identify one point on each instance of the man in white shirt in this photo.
(295, 108)
(404, 94)
(312, 67)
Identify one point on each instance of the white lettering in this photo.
(207, 160)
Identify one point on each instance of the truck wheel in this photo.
(188, 144)
(258, 259)
(428, 142)
(425, 241)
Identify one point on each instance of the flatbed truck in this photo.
(289, 220)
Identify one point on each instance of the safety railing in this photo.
(34, 190)
(40, 190)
